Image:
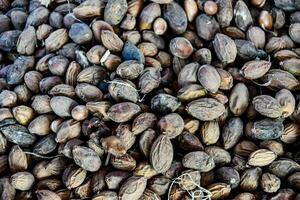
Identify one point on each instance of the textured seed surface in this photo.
(205, 109)
(149, 100)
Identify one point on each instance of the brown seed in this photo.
(258, 3)
(274, 146)
(219, 190)
(294, 32)
(83, 157)
(125, 162)
(160, 26)
(148, 15)
(171, 125)
(293, 180)
(210, 7)
(267, 106)
(280, 79)
(111, 41)
(210, 132)
(232, 132)
(198, 160)
(239, 99)
(250, 179)
(205, 74)
(143, 122)
(245, 148)
(80, 112)
(225, 48)
(255, 69)
(23, 114)
(191, 9)
(113, 145)
(176, 18)
(132, 188)
(205, 109)
(69, 129)
(257, 36)
(270, 183)
(145, 169)
(41, 104)
(161, 154)
(242, 15)
(73, 176)
(22, 181)
(265, 20)
(291, 133)
(115, 178)
(89, 9)
(47, 194)
(62, 106)
(17, 160)
(56, 40)
(181, 47)
(27, 41)
(220, 156)
(8, 98)
(123, 112)
(261, 157)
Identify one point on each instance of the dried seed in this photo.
(161, 154)
(205, 109)
(261, 157)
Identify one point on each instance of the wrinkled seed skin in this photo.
(86, 158)
(267, 129)
(255, 69)
(161, 154)
(115, 11)
(267, 106)
(133, 188)
(198, 160)
(115, 99)
(205, 109)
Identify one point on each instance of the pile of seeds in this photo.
(115, 99)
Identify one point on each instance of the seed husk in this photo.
(86, 158)
(161, 154)
(205, 109)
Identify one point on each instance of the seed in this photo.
(83, 157)
(265, 20)
(79, 112)
(181, 47)
(161, 154)
(198, 160)
(115, 11)
(22, 181)
(261, 157)
(210, 8)
(138, 184)
(270, 183)
(258, 3)
(250, 179)
(239, 99)
(148, 15)
(205, 74)
(205, 109)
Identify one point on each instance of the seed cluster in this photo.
(116, 99)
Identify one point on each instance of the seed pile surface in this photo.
(115, 99)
